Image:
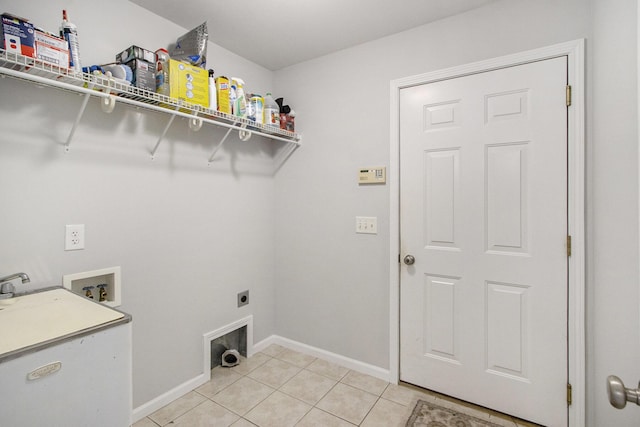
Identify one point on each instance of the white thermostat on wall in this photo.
(375, 175)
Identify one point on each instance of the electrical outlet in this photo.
(243, 298)
(74, 237)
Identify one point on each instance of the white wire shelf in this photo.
(112, 91)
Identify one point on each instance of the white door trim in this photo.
(638, 98)
(574, 50)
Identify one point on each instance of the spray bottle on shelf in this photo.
(240, 103)
(69, 32)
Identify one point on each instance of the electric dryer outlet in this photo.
(243, 298)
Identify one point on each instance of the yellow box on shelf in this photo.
(188, 83)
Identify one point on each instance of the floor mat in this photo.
(427, 414)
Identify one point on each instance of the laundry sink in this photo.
(70, 355)
(35, 320)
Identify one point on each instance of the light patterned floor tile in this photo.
(296, 358)
(241, 396)
(176, 408)
(243, 423)
(278, 388)
(318, 418)
(278, 410)
(328, 369)
(207, 414)
(249, 364)
(145, 422)
(386, 413)
(274, 373)
(220, 378)
(406, 395)
(365, 382)
(308, 386)
(348, 403)
(273, 350)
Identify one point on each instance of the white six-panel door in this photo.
(483, 209)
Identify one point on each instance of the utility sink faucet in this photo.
(6, 287)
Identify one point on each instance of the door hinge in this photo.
(569, 395)
(568, 245)
(568, 95)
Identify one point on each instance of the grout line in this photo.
(369, 411)
(459, 406)
(336, 416)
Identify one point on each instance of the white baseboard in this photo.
(355, 365)
(164, 399)
(210, 336)
(184, 388)
(259, 346)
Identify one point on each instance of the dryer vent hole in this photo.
(227, 349)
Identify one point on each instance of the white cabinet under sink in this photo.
(81, 378)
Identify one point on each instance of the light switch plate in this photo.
(366, 225)
(372, 175)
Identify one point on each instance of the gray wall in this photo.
(613, 299)
(188, 237)
(332, 285)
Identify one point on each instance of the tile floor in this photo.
(279, 387)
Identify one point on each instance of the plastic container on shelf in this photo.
(213, 97)
(69, 32)
(255, 109)
(239, 106)
(162, 72)
(223, 88)
(271, 112)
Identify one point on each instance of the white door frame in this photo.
(574, 50)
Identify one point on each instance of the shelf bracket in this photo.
(108, 103)
(282, 157)
(164, 132)
(215, 150)
(244, 135)
(85, 101)
(195, 123)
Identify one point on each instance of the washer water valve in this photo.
(103, 292)
(87, 291)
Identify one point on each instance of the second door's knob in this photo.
(619, 395)
(409, 259)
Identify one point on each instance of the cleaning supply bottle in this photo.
(240, 105)
(69, 32)
(223, 89)
(213, 96)
(233, 94)
(271, 112)
(162, 72)
(255, 111)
